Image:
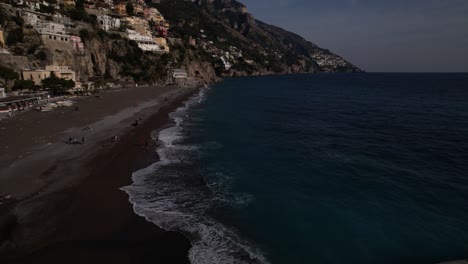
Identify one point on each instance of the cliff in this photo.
(208, 38)
(266, 49)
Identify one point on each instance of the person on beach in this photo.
(82, 140)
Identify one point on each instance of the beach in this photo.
(62, 202)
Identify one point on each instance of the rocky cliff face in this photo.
(211, 38)
(237, 44)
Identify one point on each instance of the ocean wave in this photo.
(173, 194)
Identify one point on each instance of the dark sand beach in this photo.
(65, 204)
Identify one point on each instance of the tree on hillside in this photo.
(57, 86)
(23, 84)
(15, 36)
(129, 8)
(84, 34)
(6, 75)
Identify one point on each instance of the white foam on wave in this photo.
(168, 194)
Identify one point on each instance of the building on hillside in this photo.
(103, 11)
(153, 14)
(138, 9)
(68, 2)
(163, 43)
(39, 74)
(58, 18)
(49, 30)
(120, 9)
(32, 5)
(162, 31)
(2, 39)
(139, 25)
(177, 76)
(18, 2)
(34, 18)
(91, 4)
(51, 3)
(145, 43)
(78, 45)
(108, 23)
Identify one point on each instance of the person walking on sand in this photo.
(82, 140)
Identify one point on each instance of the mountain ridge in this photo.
(206, 38)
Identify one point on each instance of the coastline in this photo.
(88, 218)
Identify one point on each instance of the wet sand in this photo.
(74, 212)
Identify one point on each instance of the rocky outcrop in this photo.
(229, 42)
(202, 70)
(266, 49)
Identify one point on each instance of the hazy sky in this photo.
(379, 35)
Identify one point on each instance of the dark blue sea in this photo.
(325, 168)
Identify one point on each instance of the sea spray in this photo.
(173, 194)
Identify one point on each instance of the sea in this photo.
(320, 168)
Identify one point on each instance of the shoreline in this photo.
(94, 221)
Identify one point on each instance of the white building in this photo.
(33, 18)
(32, 5)
(49, 27)
(51, 3)
(62, 20)
(146, 43)
(52, 31)
(179, 74)
(108, 23)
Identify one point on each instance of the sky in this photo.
(378, 35)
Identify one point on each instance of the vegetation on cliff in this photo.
(206, 38)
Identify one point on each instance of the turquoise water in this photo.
(349, 168)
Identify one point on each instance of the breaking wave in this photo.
(176, 194)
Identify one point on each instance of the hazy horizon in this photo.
(418, 36)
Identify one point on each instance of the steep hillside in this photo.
(270, 47)
(207, 38)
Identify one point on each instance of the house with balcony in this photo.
(145, 42)
(107, 23)
(49, 30)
